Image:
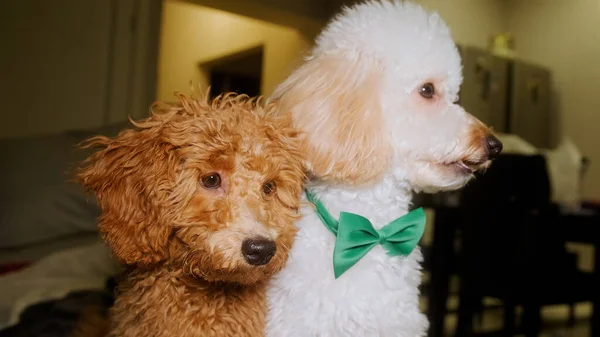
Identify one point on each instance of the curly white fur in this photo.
(372, 138)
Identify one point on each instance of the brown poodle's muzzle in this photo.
(258, 251)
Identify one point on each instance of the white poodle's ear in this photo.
(335, 101)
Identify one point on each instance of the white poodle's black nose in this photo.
(258, 251)
(494, 146)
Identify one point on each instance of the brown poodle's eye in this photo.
(269, 188)
(211, 181)
(427, 90)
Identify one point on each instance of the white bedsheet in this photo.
(564, 167)
(53, 277)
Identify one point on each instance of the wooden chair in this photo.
(512, 248)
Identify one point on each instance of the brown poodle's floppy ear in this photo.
(128, 176)
(334, 99)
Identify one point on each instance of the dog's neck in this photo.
(167, 302)
(381, 202)
(224, 288)
(173, 275)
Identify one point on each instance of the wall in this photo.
(472, 22)
(193, 34)
(563, 36)
(53, 65)
(71, 64)
(307, 16)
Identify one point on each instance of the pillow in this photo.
(39, 201)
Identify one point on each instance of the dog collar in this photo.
(355, 235)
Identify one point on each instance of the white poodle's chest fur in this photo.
(378, 296)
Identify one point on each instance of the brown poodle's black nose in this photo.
(494, 146)
(258, 251)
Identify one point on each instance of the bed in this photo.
(52, 262)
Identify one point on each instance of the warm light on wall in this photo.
(193, 35)
(503, 45)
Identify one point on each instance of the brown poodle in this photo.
(199, 202)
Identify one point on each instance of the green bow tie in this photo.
(355, 235)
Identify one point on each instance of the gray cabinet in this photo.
(530, 103)
(511, 96)
(484, 89)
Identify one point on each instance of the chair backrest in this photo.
(507, 221)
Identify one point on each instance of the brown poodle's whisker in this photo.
(177, 225)
(285, 247)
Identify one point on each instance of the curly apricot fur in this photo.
(181, 242)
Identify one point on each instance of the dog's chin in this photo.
(246, 276)
(460, 172)
(237, 272)
(440, 177)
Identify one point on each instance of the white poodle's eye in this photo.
(211, 181)
(269, 188)
(427, 90)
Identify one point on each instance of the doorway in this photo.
(240, 72)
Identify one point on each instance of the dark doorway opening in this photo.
(240, 72)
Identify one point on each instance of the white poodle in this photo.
(376, 100)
